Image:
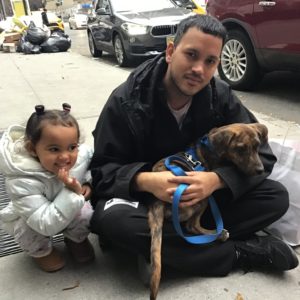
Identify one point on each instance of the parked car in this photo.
(132, 29)
(78, 20)
(263, 36)
(197, 6)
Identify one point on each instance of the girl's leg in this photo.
(79, 228)
(76, 235)
(38, 246)
(30, 241)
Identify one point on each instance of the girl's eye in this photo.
(73, 147)
(53, 149)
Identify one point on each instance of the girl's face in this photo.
(57, 148)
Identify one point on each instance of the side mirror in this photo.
(101, 11)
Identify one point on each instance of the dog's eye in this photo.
(241, 147)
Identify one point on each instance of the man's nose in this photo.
(198, 67)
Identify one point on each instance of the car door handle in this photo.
(266, 3)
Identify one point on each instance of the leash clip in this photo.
(189, 158)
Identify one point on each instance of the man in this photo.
(165, 104)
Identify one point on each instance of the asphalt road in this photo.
(278, 95)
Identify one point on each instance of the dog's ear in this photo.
(262, 131)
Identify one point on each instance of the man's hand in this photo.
(201, 186)
(156, 183)
(70, 182)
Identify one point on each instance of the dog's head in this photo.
(239, 143)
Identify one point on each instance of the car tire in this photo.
(70, 26)
(238, 66)
(93, 49)
(122, 58)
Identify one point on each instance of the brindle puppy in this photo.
(235, 143)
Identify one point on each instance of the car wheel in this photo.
(70, 26)
(120, 54)
(93, 49)
(238, 65)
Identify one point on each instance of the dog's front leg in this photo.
(155, 218)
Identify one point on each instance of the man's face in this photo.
(193, 62)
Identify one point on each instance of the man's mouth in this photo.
(193, 79)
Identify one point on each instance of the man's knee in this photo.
(281, 197)
(118, 220)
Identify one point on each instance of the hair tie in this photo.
(39, 109)
(66, 107)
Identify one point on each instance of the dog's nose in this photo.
(259, 170)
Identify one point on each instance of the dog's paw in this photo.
(224, 235)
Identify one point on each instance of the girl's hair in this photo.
(42, 117)
(204, 23)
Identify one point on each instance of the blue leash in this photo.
(178, 171)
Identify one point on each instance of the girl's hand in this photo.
(201, 186)
(86, 191)
(70, 182)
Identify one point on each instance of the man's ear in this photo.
(30, 148)
(169, 51)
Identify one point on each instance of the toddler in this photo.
(47, 183)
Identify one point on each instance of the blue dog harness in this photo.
(189, 159)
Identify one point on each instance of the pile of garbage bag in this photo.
(40, 39)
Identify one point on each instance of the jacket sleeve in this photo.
(115, 161)
(46, 217)
(234, 111)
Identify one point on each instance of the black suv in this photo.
(263, 36)
(132, 28)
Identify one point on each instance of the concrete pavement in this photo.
(51, 79)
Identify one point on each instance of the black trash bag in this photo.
(36, 35)
(28, 48)
(57, 42)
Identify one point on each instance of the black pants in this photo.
(127, 227)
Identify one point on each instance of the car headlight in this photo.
(134, 29)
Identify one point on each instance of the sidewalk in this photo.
(51, 79)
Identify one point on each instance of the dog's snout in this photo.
(259, 170)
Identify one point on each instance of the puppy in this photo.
(232, 144)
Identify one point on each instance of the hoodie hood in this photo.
(14, 158)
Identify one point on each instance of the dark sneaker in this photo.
(82, 252)
(144, 268)
(265, 251)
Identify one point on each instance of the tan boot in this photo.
(51, 262)
(82, 252)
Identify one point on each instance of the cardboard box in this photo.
(12, 37)
(9, 47)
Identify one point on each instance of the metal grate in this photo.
(164, 30)
(7, 243)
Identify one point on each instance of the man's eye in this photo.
(211, 62)
(191, 54)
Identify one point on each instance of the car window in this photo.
(138, 5)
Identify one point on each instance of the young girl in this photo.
(47, 182)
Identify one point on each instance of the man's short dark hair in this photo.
(204, 23)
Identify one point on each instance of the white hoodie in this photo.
(36, 195)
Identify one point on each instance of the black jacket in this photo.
(136, 129)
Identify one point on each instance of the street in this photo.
(276, 96)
